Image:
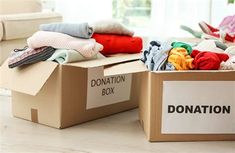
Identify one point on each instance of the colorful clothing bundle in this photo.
(181, 56)
(116, 38)
(27, 55)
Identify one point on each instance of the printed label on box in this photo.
(103, 91)
(198, 107)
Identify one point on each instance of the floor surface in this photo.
(120, 133)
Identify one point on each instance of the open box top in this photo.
(30, 79)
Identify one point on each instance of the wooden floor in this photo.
(119, 133)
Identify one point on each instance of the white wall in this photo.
(76, 11)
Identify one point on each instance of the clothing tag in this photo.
(103, 91)
(198, 107)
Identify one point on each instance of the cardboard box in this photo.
(64, 95)
(184, 105)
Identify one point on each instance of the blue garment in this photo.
(155, 57)
(82, 30)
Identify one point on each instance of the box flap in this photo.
(125, 68)
(106, 61)
(26, 79)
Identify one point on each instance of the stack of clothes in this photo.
(207, 55)
(66, 43)
(116, 38)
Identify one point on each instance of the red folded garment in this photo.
(114, 44)
(208, 60)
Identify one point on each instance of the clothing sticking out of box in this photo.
(76, 42)
(207, 55)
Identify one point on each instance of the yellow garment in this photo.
(180, 59)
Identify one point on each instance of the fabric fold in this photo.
(82, 30)
(111, 27)
(63, 56)
(118, 44)
(28, 55)
(87, 47)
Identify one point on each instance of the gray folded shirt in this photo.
(82, 30)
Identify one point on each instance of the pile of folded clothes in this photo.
(207, 55)
(65, 43)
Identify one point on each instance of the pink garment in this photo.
(228, 25)
(86, 47)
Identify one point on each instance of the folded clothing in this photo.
(63, 56)
(180, 58)
(118, 44)
(28, 55)
(111, 27)
(155, 56)
(208, 60)
(87, 47)
(82, 30)
(183, 45)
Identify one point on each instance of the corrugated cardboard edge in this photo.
(106, 61)
(125, 68)
(156, 105)
(26, 79)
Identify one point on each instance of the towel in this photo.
(118, 43)
(82, 30)
(86, 47)
(63, 56)
(111, 27)
(27, 55)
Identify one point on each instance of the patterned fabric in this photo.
(86, 47)
(155, 57)
(27, 55)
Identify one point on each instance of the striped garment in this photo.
(28, 55)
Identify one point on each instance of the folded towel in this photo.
(111, 27)
(87, 47)
(118, 44)
(63, 56)
(82, 30)
(27, 55)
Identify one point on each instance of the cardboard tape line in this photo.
(34, 115)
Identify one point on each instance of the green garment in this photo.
(183, 45)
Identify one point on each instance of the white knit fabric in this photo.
(87, 47)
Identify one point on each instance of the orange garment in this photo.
(180, 59)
